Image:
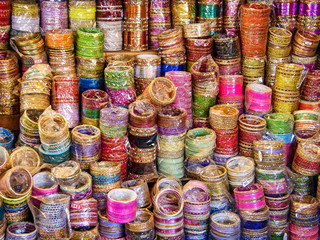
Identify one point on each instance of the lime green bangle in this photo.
(279, 123)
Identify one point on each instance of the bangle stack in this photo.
(6, 138)
(196, 210)
(278, 210)
(183, 12)
(231, 19)
(43, 184)
(305, 43)
(171, 137)
(143, 140)
(89, 42)
(286, 14)
(302, 185)
(5, 11)
(147, 68)
(92, 102)
(308, 62)
(279, 42)
(250, 198)
(4, 159)
(229, 66)
(120, 85)
(82, 14)
(306, 120)
(310, 97)
(120, 60)
(308, 16)
(211, 11)
(22, 231)
(273, 181)
(140, 186)
(173, 64)
(251, 128)
(253, 69)
(258, 98)
(25, 157)
(67, 173)
(164, 182)
(271, 68)
(142, 228)
(108, 229)
(216, 179)
(83, 214)
(225, 225)
(86, 145)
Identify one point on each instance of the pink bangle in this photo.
(257, 195)
(249, 192)
(258, 98)
(251, 206)
(231, 86)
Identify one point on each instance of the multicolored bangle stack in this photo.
(171, 137)
(141, 188)
(231, 20)
(35, 88)
(196, 210)
(250, 198)
(135, 32)
(258, 98)
(226, 225)
(278, 212)
(82, 14)
(306, 120)
(286, 14)
(85, 145)
(142, 227)
(92, 102)
(183, 12)
(147, 67)
(6, 138)
(120, 85)
(113, 126)
(308, 62)
(67, 173)
(89, 42)
(108, 229)
(165, 182)
(211, 11)
(160, 20)
(9, 72)
(251, 128)
(271, 68)
(143, 140)
(5, 11)
(308, 16)
(83, 214)
(253, 69)
(310, 97)
(224, 121)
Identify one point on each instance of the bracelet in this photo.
(258, 98)
(164, 182)
(109, 229)
(7, 137)
(22, 230)
(216, 179)
(196, 30)
(83, 213)
(305, 43)
(66, 173)
(225, 223)
(226, 47)
(89, 42)
(142, 114)
(25, 157)
(120, 60)
(171, 117)
(142, 227)
(43, 183)
(183, 13)
(223, 117)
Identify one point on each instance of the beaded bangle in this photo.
(141, 188)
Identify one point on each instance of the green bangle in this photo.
(91, 113)
(209, 11)
(119, 77)
(279, 123)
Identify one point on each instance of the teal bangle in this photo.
(209, 11)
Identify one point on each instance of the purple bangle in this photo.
(311, 10)
(284, 9)
(122, 97)
(273, 151)
(171, 131)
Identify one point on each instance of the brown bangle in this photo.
(142, 114)
(172, 117)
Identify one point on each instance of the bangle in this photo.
(164, 182)
(223, 117)
(279, 123)
(226, 141)
(52, 10)
(4, 159)
(173, 166)
(109, 229)
(183, 12)
(90, 67)
(226, 47)
(109, 10)
(289, 76)
(279, 36)
(142, 114)
(83, 213)
(196, 30)
(225, 224)
(22, 230)
(310, 136)
(89, 42)
(142, 227)
(305, 43)
(171, 117)
(114, 122)
(229, 66)
(7, 138)
(25, 157)
(141, 188)
(258, 98)
(309, 90)
(43, 183)
(67, 173)
(216, 179)
(120, 60)
(231, 88)
(171, 208)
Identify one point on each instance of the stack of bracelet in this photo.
(171, 136)
(89, 42)
(92, 102)
(114, 140)
(31, 49)
(142, 227)
(253, 69)
(306, 120)
(108, 229)
(196, 210)
(308, 16)
(60, 51)
(140, 186)
(306, 160)
(35, 88)
(227, 54)
(83, 214)
(310, 97)
(205, 87)
(120, 60)
(309, 136)
(25, 157)
(82, 14)
(250, 198)
(286, 87)
(105, 177)
(168, 214)
(5, 11)
(9, 72)
(4, 159)
(29, 133)
(225, 225)
(254, 29)
(251, 128)
(305, 43)
(22, 231)
(43, 184)
(6, 138)
(165, 182)
(68, 173)
(211, 11)
(304, 219)
(25, 18)
(231, 20)
(240, 171)
(54, 15)
(182, 81)
(286, 14)
(120, 85)
(172, 50)
(302, 185)
(160, 20)
(135, 31)
(216, 179)
(199, 146)
(183, 12)
(231, 91)
(90, 72)
(147, 67)
(258, 98)
(143, 140)
(224, 121)
(109, 20)
(279, 48)
(86, 145)
(198, 47)
(65, 97)
(55, 138)
(52, 216)
(280, 128)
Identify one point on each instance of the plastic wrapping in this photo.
(83, 214)
(141, 188)
(286, 14)
(183, 12)
(112, 35)
(25, 157)
(89, 42)
(25, 17)
(305, 43)
(82, 14)
(6, 138)
(66, 173)
(142, 227)
(253, 70)
(211, 11)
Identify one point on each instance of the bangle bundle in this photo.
(165, 182)
(211, 11)
(183, 12)
(65, 98)
(140, 186)
(250, 198)
(309, 136)
(279, 42)
(279, 123)
(225, 224)
(135, 32)
(173, 64)
(308, 62)
(271, 68)
(196, 30)
(258, 99)
(306, 159)
(43, 183)
(120, 85)
(278, 210)
(9, 72)
(253, 69)
(310, 88)
(240, 171)
(114, 122)
(67, 173)
(89, 42)
(226, 47)
(112, 32)
(82, 14)
(83, 214)
(308, 16)
(306, 120)
(108, 229)
(21, 230)
(25, 157)
(171, 44)
(92, 102)
(273, 181)
(120, 60)
(109, 10)
(6, 138)
(196, 209)
(298, 232)
(231, 20)
(142, 227)
(4, 159)
(229, 66)
(289, 76)
(251, 128)
(147, 68)
(121, 205)
(223, 117)
(90, 68)
(305, 43)
(86, 145)
(302, 185)
(286, 14)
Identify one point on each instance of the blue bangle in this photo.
(169, 68)
(90, 84)
(255, 225)
(105, 180)
(6, 138)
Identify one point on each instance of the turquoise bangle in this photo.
(209, 11)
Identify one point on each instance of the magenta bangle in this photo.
(249, 196)
(258, 98)
(122, 97)
(286, 8)
(231, 87)
(251, 206)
